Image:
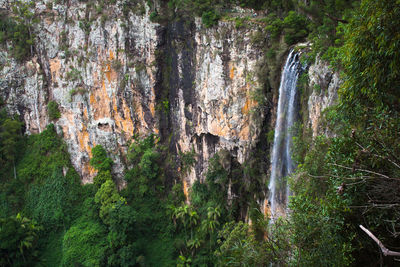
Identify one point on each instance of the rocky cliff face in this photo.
(117, 74)
(211, 106)
(325, 84)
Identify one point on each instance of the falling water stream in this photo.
(281, 161)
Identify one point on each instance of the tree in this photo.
(295, 26)
(85, 244)
(352, 178)
(370, 58)
(122, 236)
(239, 247)
(99, 159)
(10, 135)
(26, 20)
(18, 238)
(107, 196)
(101, 178)
(19, 28)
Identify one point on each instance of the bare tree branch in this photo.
(336, 20)
(385, 251)
(379, 156)
(367, 171)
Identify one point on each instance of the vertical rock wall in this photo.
(211, 104)
(117, 74)
(325, 84)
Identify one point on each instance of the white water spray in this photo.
(281, 161)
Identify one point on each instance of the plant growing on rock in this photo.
(99, 159)
(53, 110)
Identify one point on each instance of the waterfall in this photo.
(281, 161)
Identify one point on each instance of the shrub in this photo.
(210, 18)
(53, 111)
(295, 28)
(107, 196)
(85, 244)
(47, 202)
(99, 159)
(154, 16)
(101, 178)
(275, 26)
(18, 238)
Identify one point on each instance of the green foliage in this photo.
(79, 90)
(240, 22)
(274, 26)
(148, 164)
(40, 188)
(107, 196)
(215, 189)
(324, 18)
(144, 177)
(347, 180)
(210, 18)
(50, 245)
(10, 137)
(101, 178)
(121, 236)
(18, 238)
(147, 237)
(370, 58)
(239, 246)
(73, 75)
(317, 225)
(85, 244)
(201, 221)
(53, 111)
(148, 222)
(188, 160)
(86, 26)
(48, 202)
(271, 53)
(43, 154)
(18, 29)
(154, 16)
(317, 88)
(99, 159)
(295, 26)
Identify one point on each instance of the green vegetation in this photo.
(348, 180)
(19, 29)
(147, 222)
(18, 237)
(84, 244)
(53, 111)
(73, 75)
(99, 160)
(351, 177)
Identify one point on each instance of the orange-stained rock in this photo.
(123, 123)
(232, 72)
(55, 66)
(185, 190)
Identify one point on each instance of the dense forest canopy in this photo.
(48, 218)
